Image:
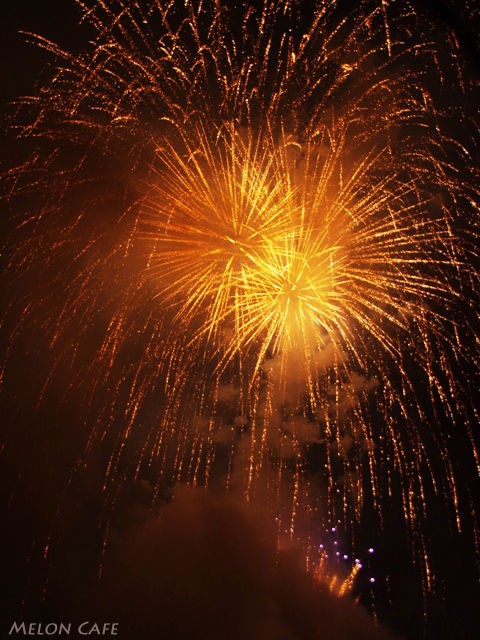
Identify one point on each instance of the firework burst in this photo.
(263, 234)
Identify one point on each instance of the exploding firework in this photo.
(254, 234)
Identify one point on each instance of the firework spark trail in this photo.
(262, 223)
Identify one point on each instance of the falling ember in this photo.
(255, 235)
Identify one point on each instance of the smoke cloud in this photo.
(208, 567)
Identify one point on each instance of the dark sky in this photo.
(20, 62)
(58, 20)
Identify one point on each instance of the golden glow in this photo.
(266, 260)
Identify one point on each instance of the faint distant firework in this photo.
(249, 233)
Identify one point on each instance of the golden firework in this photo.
(258, 233)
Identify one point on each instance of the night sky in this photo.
(202, 566)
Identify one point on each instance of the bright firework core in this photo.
(290, 248)
(257, 228)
